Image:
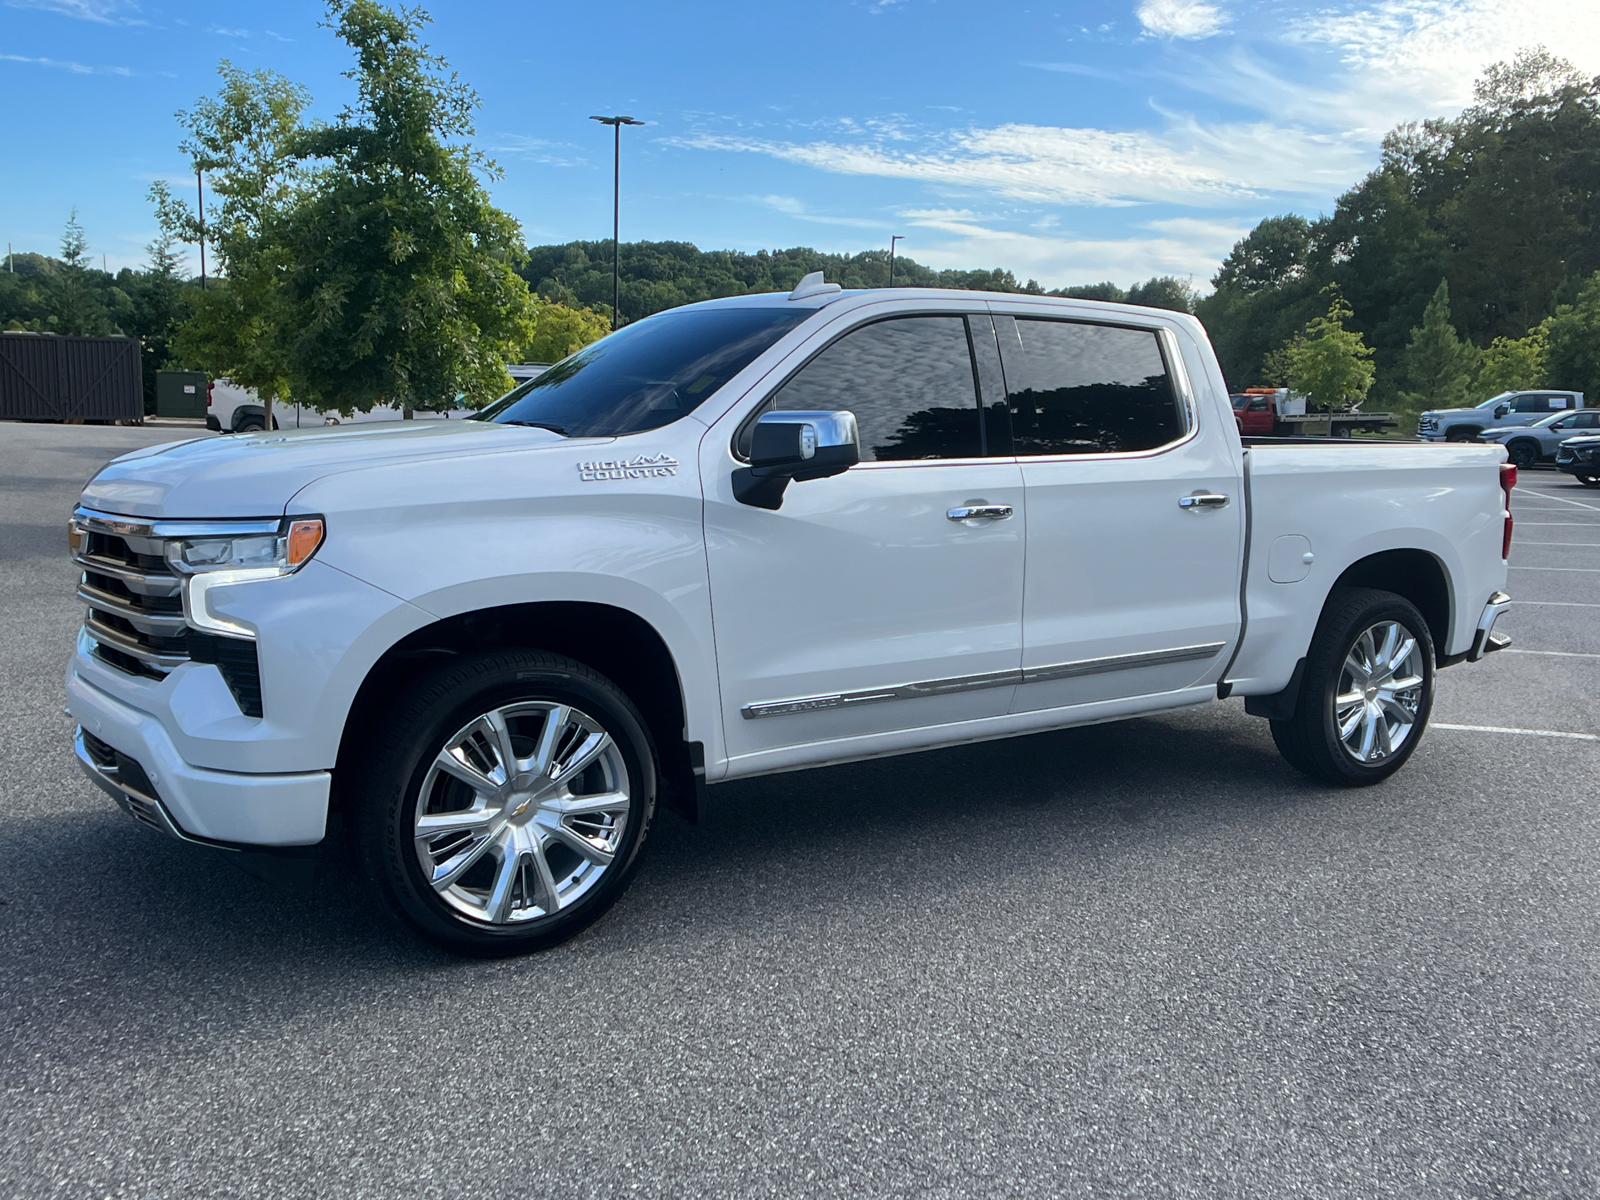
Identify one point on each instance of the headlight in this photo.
(217, 556)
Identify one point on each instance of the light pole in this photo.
(616, 124)
(200, 208)
(896, 238)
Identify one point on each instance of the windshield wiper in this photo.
(561, 429)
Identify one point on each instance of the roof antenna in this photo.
(812, 285)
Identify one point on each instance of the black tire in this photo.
(1523, 453)
(253, 425)
(385, 785)
(1310, 741)
(1461, 433)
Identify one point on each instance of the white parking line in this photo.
(1559, 603)
(1556, 733)
(1564, 500)
(1584, 570)
(1553, 524)
(1525, 545)
(1551, 653)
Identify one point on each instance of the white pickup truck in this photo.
(739, 537)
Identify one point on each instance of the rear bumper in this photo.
(129, 756)
(1486, 640)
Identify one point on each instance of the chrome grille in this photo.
(135, 607)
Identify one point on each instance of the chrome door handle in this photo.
(975, 512)
(1201, 500)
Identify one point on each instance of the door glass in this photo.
(909, 381)
(1584, 420)
(1542, 404)
(1077, 388)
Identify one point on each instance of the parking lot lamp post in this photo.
(896, 238)
(200, 189)
(616, 124)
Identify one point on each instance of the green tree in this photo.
(1513, 364)
(1439, 366)
(74, 301)
(1331, 364)
(1164, 291)
(1272, 254)
(1573, 360)
(560, 330)
(243, 138)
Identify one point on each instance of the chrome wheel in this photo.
(521, 812)
(1379, 696)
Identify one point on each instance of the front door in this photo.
(1135, 514)
(861, 608)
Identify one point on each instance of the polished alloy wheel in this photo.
(521, 812)
(1380, 692)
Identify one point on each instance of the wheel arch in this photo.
(617, 643)
(1416, 575)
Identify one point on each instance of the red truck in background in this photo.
(1277, 412)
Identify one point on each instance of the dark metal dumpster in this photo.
(181, 394)
(44, 377)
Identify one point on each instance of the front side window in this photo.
(647, 374)
(1539, 404)
(909, 381)
(1583, 420)
(1078, 388)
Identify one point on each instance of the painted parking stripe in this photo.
(1553, 524)
(1551, 653)
(1559, 603)
(1525, 544)
(1584, 570)
(1574, 503)
(1555, 733)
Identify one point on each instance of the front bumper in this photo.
(128, 754)
(1486, 640)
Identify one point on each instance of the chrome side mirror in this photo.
(796, 446)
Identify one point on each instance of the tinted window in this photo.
(1076, 388)
(647, 374)
(909, 382)
(1583, 420)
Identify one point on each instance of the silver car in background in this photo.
(1528, 445)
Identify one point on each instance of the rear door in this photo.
(860, 608)
(1136, 512)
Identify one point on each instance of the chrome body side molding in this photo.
(965, 683)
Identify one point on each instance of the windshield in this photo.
(647, 374)
(1500, 399)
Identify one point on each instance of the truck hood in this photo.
(1487, 413)
(254, 475)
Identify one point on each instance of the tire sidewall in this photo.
(1341, 639)
(457, 695)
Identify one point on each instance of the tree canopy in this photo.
(1502, 201)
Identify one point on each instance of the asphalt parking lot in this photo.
(1144, 959)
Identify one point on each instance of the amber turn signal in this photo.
(304, 538)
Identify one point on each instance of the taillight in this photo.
(1508, 480)
(209, 386)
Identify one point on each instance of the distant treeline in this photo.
(662, 275)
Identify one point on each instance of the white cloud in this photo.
(1187, 19)
(1407, 59)
(1060, 261)
(77, 68)
(105, 12)
(1188, 163)
(791, 206)
(538, 150)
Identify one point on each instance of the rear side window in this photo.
(1078, 388)
(909, 381)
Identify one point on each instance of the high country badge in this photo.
(645, 466)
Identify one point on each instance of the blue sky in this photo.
(1067, 142)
